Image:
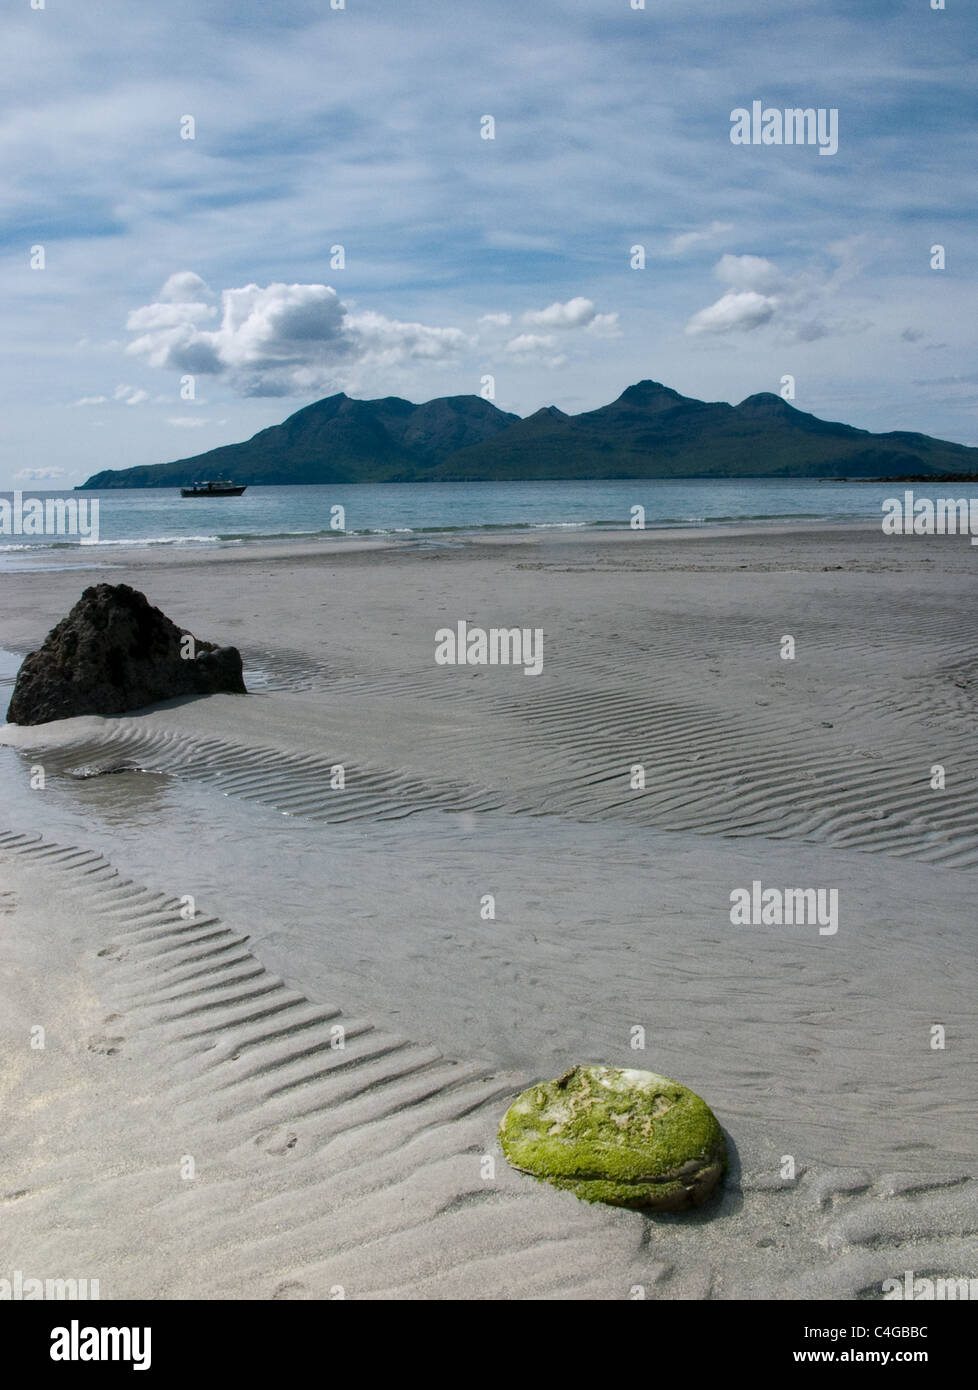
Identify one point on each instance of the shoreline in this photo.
(113, 555)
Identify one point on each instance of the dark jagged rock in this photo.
(113, 653)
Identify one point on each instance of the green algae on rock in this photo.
(610, 1134)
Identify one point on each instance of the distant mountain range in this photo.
(650, 431)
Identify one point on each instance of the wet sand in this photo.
(362, 1168)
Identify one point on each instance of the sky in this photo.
(163, 294)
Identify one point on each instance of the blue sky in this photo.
(465, 257)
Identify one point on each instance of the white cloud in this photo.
(38, 475)
(536, 348)
(125, 395)
(130, 395)
(185, 287)
(803, 306)
(748, 303)
(685, 241)
(383, 341)
(576, 313)
(187, 422)
(749, 273)
(278, 339)
(527, 343)
(745, 309)
(604, 326)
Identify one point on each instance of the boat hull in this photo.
(211, 492)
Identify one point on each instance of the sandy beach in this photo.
(291, 1088)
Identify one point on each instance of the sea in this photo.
(441, 514)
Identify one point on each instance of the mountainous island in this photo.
(650, 431)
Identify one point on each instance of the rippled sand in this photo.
(363, 1167)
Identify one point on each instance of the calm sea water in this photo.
(437, 512)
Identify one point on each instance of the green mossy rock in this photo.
(610, 1134)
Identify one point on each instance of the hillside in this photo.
(336, 440)
(650, 431)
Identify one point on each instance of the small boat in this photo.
(218, 489)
